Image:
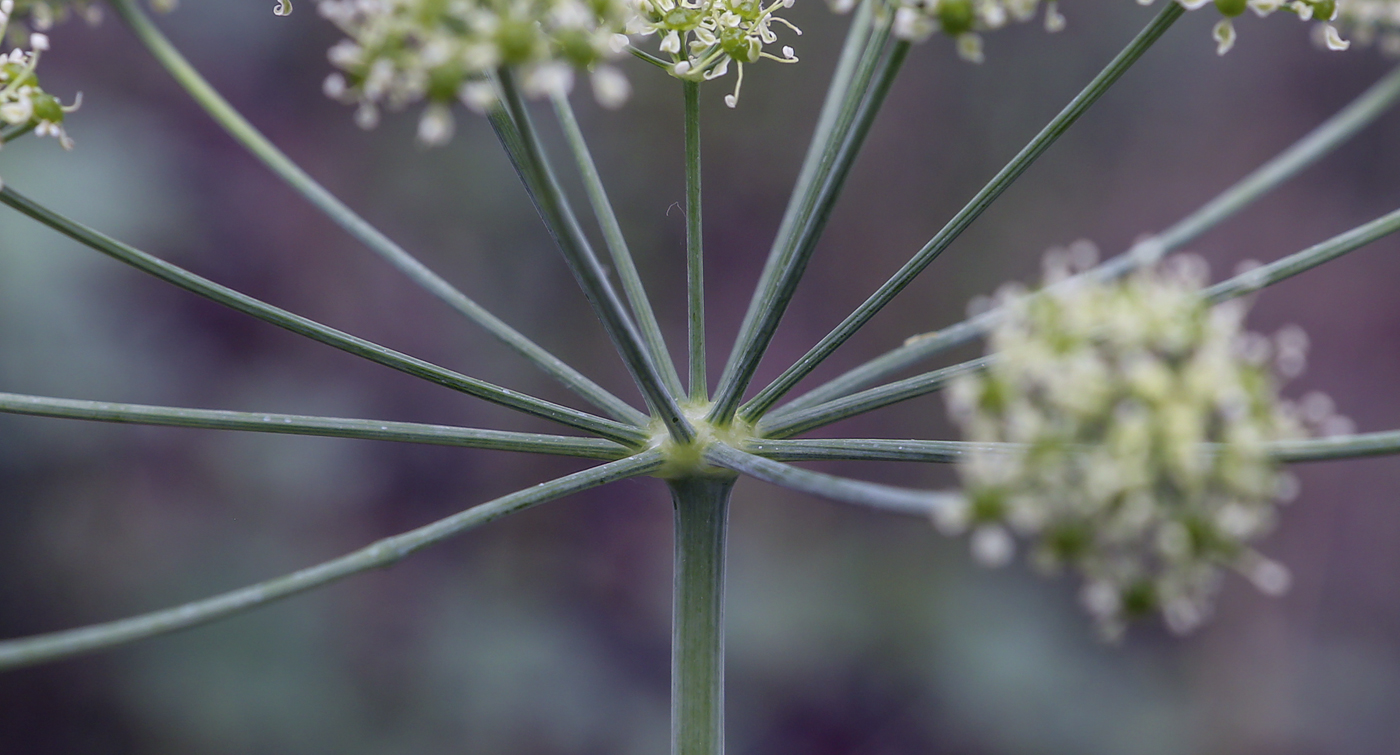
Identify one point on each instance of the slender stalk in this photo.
(43, 648)
(299, 424)
(864, 93)
(182, 278)
(791, 421)
(1101, 83)
(697, 640)
(10, 133)
(694, 249)
(1372, 103)
(862, 449)
(865, 401)
(642, 311)
(1338, 447)
(592, 278)
(874, 495)
(258, 145)
(948, 451)
(1307, 259)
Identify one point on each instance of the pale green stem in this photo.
(1309, 258)
(874, 495)
(809, 208)
(316, 331)
(1374, 102)
(10, 133)
(258, 145)
(871, 449)
(299, 424)
(622, 261)
(42, 648)
(948, 451)
(865, 401)
(592, 278)
(792, 421)
(697, 640)
(891, 288)
(1338, 447)
(694, 249)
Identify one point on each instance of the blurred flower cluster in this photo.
(704, 36)
(403, 51)
(1369, 21)
(917, 20)
(1135, 419)
(23, 103)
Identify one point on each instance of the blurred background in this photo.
(850, 632)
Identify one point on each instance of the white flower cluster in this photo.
(917, 20)
(1371, 21)
(703, 37)
(1134, 419)
(22, 102)
(403, 51)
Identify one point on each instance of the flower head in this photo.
(1367, 22)
(23, 103)
(702, 37)
(965, 20)
(403, 51)
(1135, 419)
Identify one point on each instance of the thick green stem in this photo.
(697, 640)
(258, 145)
(694, 249)
(765, 399)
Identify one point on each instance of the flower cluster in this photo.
(917, 20)
(703, 37)
(1369, 21)
(23, 104)
(403, 51)
(1133, 421)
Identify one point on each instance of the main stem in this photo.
(697, 639)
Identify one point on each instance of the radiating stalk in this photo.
(182, 278)
(694, 249)
(874, 495)
(1372, 103)
(1309, 258)
(642, 311)
(258, 145)
(946, 451)
(697, 640)
(43, 648)
(792, 421)
(10, 133)
(796, 241)
(774, 391)
(865, 401)
(592, 278)
(299, 424)
(1337, 447)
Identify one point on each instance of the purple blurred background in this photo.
(850, 633)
